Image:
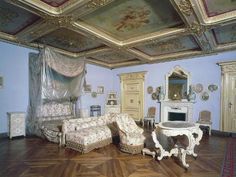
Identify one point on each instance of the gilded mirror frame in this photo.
(176, 69)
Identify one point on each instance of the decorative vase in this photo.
(191, 94)
(161, 94)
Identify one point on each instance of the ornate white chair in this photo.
(205, 119)
(131, 136)
(150, 118)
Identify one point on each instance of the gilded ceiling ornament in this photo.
(185, 7)
(7, 16)
(97, 3)
(197, 28)
(61, 21)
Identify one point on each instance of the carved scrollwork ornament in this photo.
(197, 28)
(185, 7)
(61, 21)
(97, 3)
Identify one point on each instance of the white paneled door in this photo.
(228, 96)
(132, 94)
(232, 103)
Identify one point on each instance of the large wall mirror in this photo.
(177, 84)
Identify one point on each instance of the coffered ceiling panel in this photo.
(117, 33)
(216, 7)
(170, 46)
(124, 19)
(225, 34)
(112, 57)
(55, 3)
(68, 40)
(14, 19)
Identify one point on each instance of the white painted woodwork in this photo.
(228, 96)
(132, 94)
(16, 121)
(176, 107)
(178, 128)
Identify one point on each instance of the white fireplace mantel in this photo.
(176, 107)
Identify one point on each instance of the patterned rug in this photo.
(229, 164)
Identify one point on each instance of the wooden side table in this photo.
(16, 122)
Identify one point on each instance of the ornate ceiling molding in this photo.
(197, 28)
(185, 7)
(59, 21)
(134, 75)
(97, 3)
(79, 17)
(229, 66)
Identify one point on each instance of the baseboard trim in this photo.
(221, 133)
(3, 135)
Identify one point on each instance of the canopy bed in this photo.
(55, 83)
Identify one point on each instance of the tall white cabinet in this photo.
(16, 122)
(112, 103)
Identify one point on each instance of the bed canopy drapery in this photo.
(53, 78)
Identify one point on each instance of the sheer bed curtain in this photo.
(53, 77)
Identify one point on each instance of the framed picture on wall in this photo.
(1, 82)
(100, 90)
(87, 88)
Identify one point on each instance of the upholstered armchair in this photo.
(131, 136)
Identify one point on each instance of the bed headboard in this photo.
(54, 110)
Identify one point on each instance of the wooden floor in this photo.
(34, 157)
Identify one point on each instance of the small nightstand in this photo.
(16, 122)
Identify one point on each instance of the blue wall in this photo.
(203, 70)
(14, 69)
(14, 95)
(97, 76)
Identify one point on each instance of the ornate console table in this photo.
(177, 128)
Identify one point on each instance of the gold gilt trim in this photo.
(197, 28)
(97, 3)
(185, 7)
(60, 21)
(229, 66)
(134, 75)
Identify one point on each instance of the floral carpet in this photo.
(229, 164)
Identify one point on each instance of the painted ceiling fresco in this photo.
(169, 46)
(68, 40)
(225, 34)
(117, 33)
(130, 18)
(112, 57)
(13, 19)
(216, 7)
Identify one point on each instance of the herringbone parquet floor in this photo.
(34, 157)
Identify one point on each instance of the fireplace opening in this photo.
(174, 116)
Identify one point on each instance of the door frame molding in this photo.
(227, 68)
(133, 76)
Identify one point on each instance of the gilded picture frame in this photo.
(100, 90)
(87, 88)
